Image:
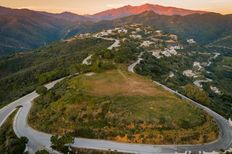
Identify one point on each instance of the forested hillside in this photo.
(23, 29)
(204, 28)
(23, 72)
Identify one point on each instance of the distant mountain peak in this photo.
(133, 10)
(149, 5)
(67, 13)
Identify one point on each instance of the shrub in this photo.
(196, 94)
(60, 143)
(41, 90)
(185, 123)
(85, 132)
(42, 152)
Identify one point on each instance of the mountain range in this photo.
(133, 10)
(23, 29)
(204, 28)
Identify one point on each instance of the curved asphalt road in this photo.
(132, 66)
(25, 101)
(225, 137)
(39, 140)
(114, 45)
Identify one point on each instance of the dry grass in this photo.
(125, 107)
(118, 82)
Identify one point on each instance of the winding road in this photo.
(86, 60)
(39, 140)
(114, 45)
(20, 125)
(225, 131)
(132, 66)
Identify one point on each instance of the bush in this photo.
(85, 132)
(41, 90)
(23, 140)
(196, 94)
(185, 124)
(60, 143)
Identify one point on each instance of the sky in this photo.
(93, 6)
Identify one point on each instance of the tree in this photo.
(41, 90)
(197, 94)
(42, 152)
(23, 140)
(60, 143)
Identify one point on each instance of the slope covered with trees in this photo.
(9, 142)
(23, 29)
(23, 72)
(204, 28)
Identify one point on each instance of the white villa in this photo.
(166, 53)
(197, 65)
(188, 73)
(230, 122)
(191, 41)
(123, 31)
(138, 29)
(156, 54)
(109, 31)
(172, 51)
(215, 90)
(174, 37)
(146, 44)
(171, 75)
(136, 36)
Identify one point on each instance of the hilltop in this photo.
(201, 73)
(134, 10)
(117, 105)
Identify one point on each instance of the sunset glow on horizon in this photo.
(91, 7)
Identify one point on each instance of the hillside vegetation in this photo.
(105, 97)
(212, 27)
(213, 72)
(9, 142)
(23, 29)
(120, 106)
(23, 72)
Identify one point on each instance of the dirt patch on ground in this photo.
(118, 82)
